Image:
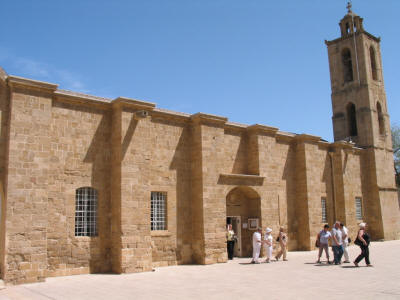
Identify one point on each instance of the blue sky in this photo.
(253, 61)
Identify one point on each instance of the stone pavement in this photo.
(299, 278)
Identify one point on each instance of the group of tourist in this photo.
(339, 237)
(340, 240)
(268, 242)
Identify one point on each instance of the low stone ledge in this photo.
(387, 189)
(160, 233)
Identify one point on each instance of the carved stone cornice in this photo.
(79, 98)
(343, 38)
(262, 129)
(3, 74)
(241, 179)
(202, 118)
(16, 81)
(307, 138)
(133, 103)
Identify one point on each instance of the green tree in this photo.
(396, 150)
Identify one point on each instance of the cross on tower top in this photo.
(349, 5)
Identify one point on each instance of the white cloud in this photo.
(70, 80)
(27, 67)
(31, 67)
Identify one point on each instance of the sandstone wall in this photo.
(318, 181)
(170, 173)
(28, 178)
(214, 203)
(4, 116)
(4, 134)
(353, 187)
(79, 156)
(277, 166)
(135, 193)
(208, 168)
(235, 147)
(56, 148)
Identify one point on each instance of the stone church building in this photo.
(90, 184)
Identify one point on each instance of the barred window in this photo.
(323, 208)
(86, 212)
(359, 214)
(158, 211)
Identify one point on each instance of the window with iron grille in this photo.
(323, 208)
(158, 211)
(86, 212)
(359, 214)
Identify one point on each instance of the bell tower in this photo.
(358, 95)
(360, 115)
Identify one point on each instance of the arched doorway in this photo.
(243, 205)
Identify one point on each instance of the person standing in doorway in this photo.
(256, 245)
(230, 238)
(268, 240)
(345, 236)
(337, 243)
(282, 239)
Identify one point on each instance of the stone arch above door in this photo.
(245, 202)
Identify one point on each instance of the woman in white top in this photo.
(322, 243)
(269, 243)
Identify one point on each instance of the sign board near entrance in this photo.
(253, 224)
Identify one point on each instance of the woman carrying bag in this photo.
(363, 240)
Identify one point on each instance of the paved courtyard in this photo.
(299, 278)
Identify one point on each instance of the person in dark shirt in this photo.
(363, 241)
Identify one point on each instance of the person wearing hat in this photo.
(256, 245)
(269, 243)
